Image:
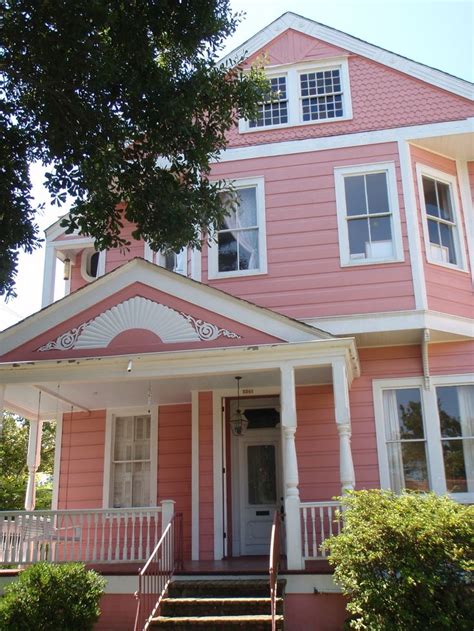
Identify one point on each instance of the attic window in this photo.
(274, 110)
(321, 95)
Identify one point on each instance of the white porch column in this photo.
(33, 461)
(167, 512)
(294, 551)
(2, 403)
(343, 421)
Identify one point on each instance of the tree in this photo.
(405, 561)
(13, 467)
(128, 104)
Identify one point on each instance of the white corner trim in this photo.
(289, 147)
(195, 475)
(217, 443)
(343, 40)
(57, 460)
(342, 219)
(49, 274)
(413, 231)
(196, 264)
(257, 182)
(467, 210)
(451, 181)
(111, 413)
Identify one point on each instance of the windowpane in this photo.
(274, 111)
(227, 245)
(447, 241)
(429, 189)
(454, 464)
(433, 231)
(358, 236)
(380, 229)
(377, 193)
(247, 213)
(248, 249)
(444, 200)
(415, 469)
(355, 195)
(261, 474)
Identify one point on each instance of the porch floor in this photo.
(232, 566)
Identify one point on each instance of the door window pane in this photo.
(261, 470)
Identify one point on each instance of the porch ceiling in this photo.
(458, 146)
(23, 398)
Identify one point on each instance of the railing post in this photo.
(343, 422)
(167, 512)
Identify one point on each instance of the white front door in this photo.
(260, 488)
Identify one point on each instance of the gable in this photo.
(141, 308)
(293, 47)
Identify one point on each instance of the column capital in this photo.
(344, 429)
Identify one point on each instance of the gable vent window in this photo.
(321, 95)
(274, 110)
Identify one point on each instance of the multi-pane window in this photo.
(368, 214)
(238, 237)
(321, 95)
(425, 436)
(131, 461)
(441, 222)
(274, 110)
(405, 439)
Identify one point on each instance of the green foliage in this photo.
(13, 468)
(49, 597)
(404, 561)
(99, 90)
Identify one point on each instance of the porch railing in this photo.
(274, 565)
(319, 522)
(112, 535)
(154, 578)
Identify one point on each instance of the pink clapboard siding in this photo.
(206, 483)
(315, 612)
(305, 278)
(117, 612)
(115, 257)
(448, 290)
(82, 460)
(138, 340)
(174, 463)
(382, 97)
(452, 358)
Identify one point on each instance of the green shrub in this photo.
(48, 597)
(404, 561)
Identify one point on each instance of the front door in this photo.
(259, 489)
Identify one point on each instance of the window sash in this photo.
(273, 108)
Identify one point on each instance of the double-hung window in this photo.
(274, 110)
(130, 459)
(321, 95)
(425, 436)
(239, 244)
(443, 233)
(368, 214)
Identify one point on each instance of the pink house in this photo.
(340, 290)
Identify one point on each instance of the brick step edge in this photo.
(215, 621)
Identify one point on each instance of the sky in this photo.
(438, 33)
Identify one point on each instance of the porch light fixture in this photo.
(67, 269)
(238, 423)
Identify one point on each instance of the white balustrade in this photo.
(111, 535)
(319, 521)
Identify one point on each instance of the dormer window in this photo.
(274, 110)
(304, 94)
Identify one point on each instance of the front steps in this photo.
(216, 605)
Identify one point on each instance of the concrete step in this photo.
(218, 606)
(217, 623)
(250, 588)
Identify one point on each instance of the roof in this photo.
(290, 20)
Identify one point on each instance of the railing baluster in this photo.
(321, 528)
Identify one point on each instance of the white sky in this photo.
(438, 33)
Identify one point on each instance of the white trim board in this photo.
(353, 44)
(195, 475)
(378, 136)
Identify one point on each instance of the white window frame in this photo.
(273, 75)
(458, 237)
(85, 259)
(397, 243)
(295, 113)
(111, 415)
(213, 250)
(431, 424)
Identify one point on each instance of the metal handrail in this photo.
(156, 574)
(274, 564)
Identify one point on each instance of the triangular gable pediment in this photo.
(142, 308)
(268, 38)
